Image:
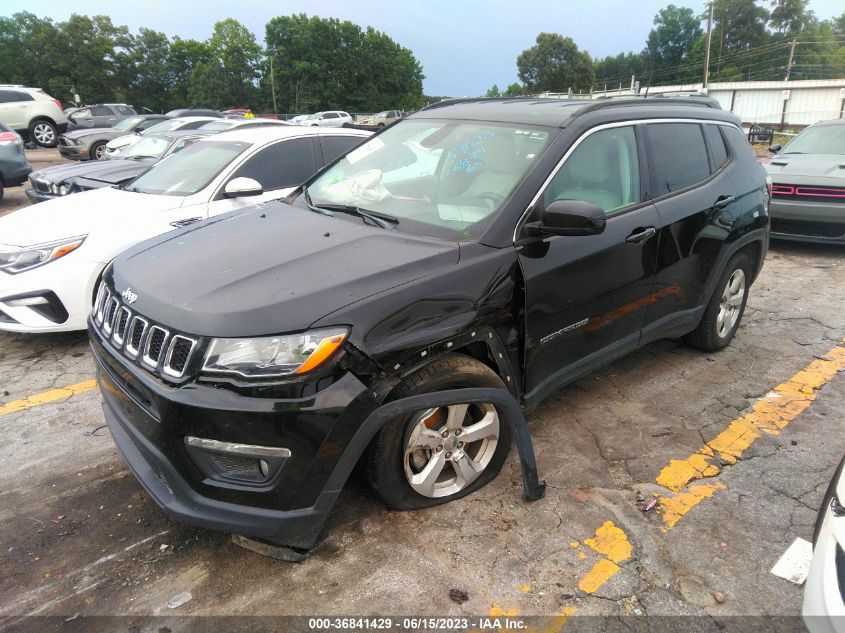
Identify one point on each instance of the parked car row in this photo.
(32, 113)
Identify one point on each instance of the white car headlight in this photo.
(63, 190)
(28, 257)
(273, 355)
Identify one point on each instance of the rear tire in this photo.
(724, 311)
(43, 133)
(407, 448)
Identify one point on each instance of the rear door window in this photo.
(283, 164)
(101, 111)
(678, 156)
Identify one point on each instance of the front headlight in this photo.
(273, 355)
(29, 257)
(63, 190)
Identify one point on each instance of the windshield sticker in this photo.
(466, 158)
(365, 150)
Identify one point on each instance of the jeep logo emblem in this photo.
(129, 296)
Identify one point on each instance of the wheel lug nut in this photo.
(458, 432)
(444, 434)
(439, 448)
(460, 444)
(449, 455)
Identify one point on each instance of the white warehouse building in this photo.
(783, 104)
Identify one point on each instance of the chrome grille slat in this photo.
(138, 326)
(176, 360)
(109, 314)
(154, 345)
(121, 322)
(101, 308)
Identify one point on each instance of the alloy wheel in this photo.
(449, 447)
(731, 303)
(44, 134)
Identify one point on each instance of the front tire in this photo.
(43, 133)
(98, 150)
(724, 311)
(441, 454)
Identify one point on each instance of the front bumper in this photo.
(70, 279)
(150, 420)
(75, 152)
(39, 196)
(803, 221)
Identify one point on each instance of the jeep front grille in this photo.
(152, 346)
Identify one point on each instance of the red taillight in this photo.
(58, 103)
(8, 137)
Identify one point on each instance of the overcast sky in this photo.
(464, 47)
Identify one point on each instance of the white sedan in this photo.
(52, 254)
(824, 593)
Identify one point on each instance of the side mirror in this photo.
(242, 187)
(774, 149)
(570, 217)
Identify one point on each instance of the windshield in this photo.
(439, 178)
(166, 126)
(824, 139)
(217, 126)
(316, 115)
(381, 115)
(145, 147)
(127, 124)
(189, 170)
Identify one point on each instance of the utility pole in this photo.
(791, 55)
(707, 50)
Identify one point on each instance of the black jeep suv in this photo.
(514, 244)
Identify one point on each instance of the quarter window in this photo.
(334, 146)
(678, 156)
(604, 170)
(716, 144)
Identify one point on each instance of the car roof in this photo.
(561, 112)
(174, 134)
(275, 132)
(829, 122)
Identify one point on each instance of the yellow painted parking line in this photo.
(771, 414)
(47, 396)
(613, 543)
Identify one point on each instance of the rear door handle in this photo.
(723, 201)
(641, 235)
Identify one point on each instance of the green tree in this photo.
(670, 44)
(789, 17)
(513, 90)
(327, 63)
(150, 80)
(493, 92)
(613, 70)
(739, 27)
(185, 55)
(555, 64)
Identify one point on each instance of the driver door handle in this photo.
(641, 235)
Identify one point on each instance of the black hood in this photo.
(110, 171)
(270, 269)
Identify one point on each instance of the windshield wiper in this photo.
(311, 207)
(382, 220)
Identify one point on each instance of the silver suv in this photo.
(32, 113)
